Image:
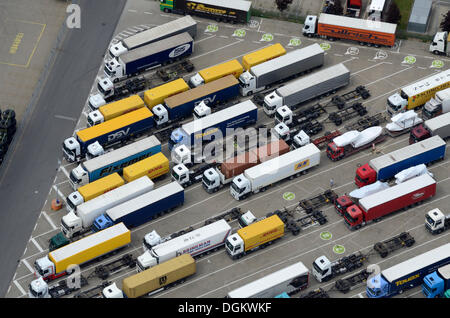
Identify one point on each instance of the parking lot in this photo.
(383, 71)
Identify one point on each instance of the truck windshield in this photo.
(109, 71)
(91, 123)
(362, 180)
(426, 288)
(429, 220)
(236, 188)
(73, 178)
(243, 84)
(206, 180)
(348, 218)
(229, 245)
(64, 225)
(279, 117)
(269, 107)
(67, 150)
(317, 268)
(100, 89)
(374, 291)
(394, 107)
(141, 268)
(175, 175)
(70, 203)
(34, 293)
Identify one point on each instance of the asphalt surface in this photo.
(32, 167)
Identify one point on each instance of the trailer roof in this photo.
(396, 191)
(406, 152)
(287, 59)
(218, 117)
(356, 23)
(121, 153)
(232, 4)
(313, 79)
(269, 281)
(87, 242)
(156, 47)
(427, 83)
(438, 122)
(416, 263)
(445, 271)
(102, 183)
(144, 200)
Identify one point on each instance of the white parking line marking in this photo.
(220, 48)
(49, 220)
(31, 269)
(66, 118)
(60, 194)
(36, 244)
(148, 12)
(65, 171)
(20, 288)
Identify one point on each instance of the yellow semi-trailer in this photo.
(262, 55)
(157, 95)
(93, 190)
(87, 249)
(114, 109)
(154, 279)
(254, 236)
(212, 73)
(152, 167)
(418, 93)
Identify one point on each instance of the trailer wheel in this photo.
(409, 243)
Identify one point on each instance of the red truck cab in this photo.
(334, 152)
(353, 217)
(342, 203)
(418, 133)
(365, 175)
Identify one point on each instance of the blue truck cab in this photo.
(435, 284)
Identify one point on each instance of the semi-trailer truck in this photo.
(107, 134)
(57, 262)
(143, 208)
(234, 11)
(437, 105)
(365, 32)
(114, 109)
(418, 93)
(437, 283)
(437, 222)
(382, 203)
(93, 190)
(196, 242)
(236, 116)
(439, 45)
(158, 94)
(294, 63)
(212, 73)
(290, 280)
(154, 167)
(437, 126)
(408, 274)
(215, 178)
(288, 165)
(308, 87)
(76, 224)
(387, 166)
(159, 32)
(113, 161)
(149, 56)
(260, 56)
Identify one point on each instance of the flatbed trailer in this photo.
(311, 112)
(393, 244)
(62, 288)
(103, 271)
(367, 121)
(311, 204)
(357, 109)
(173, 72)
(340, 101)
(94, 292)
(352, 150)
(316, 293)
(231, 215)
(295, 225)
(326, 138)
(349, 283)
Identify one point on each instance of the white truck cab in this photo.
(248, 84)
(105, 87)
(396, 104)
(117, 49)
(282, 131)
(234, 245)
(181, 154)
(95, 118)
(44, 267)
(309, 28)
(201, 110)
(38, 289)
(112, 291)
(301, 139)
(71, 149)
(180, 174)
(94, 150)
(73, 200)
(71, 225)
(246, 219)
(284, 115)
(321, 268)
(439, 44)
(145, 261)
(151, 239)
(114, 70)
(435, 221)
(212, 179)
(95, 101)
(160, 115)
(271, 103)
(78, 177)
(196, 80)
(240, 186)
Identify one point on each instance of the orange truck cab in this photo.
(342, 203)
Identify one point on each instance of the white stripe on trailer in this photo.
(416, 263)
(396, 191)
(356, 23)
(264, 286)
(88, 242)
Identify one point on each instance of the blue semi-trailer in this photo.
(387, 166)
(205, 129)
(408, 274)
(143, 208)
(149, 56)
(437, 284)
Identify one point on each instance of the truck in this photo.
(306, 88)
(76, 224)
(185, 24)
(439, 45)
(155, 279)
(232, 67)
(290, 280)
(113, 161)
(114, 109)
(154, 167)
(324, 269)
(437, 126)
(437, 283)
(417, 94)
(234, 11)
(263, 55)
(105, 135)
(215, 178)
(288, 165)
(408, 274)
(437, 105)
(236, 116)
(149, 56)
(197, 242)
(93, 190)
(294, 63)
(143, 208)
(334, 27)
(387, 166)
(382, 203)
(157, 95)
(40, 289)
(436, 222)
(58, 262)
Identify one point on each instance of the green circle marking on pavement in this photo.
(267, 37)
(288, 196)
(339, 249)
(212, 28)
(239, 33)
(325, 46)
(326, 235)
(409, 59)
(295, 42)
(437, 64)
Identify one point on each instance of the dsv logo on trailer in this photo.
(118, 135)
(179, 50)
(207, 100)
